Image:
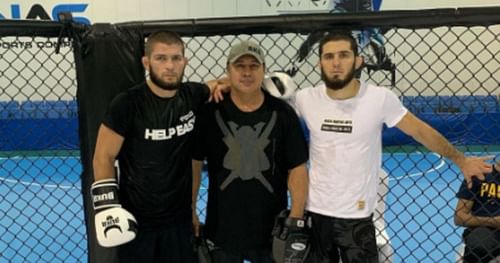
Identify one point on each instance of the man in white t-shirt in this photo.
(345, 117)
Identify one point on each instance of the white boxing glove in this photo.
(280, 85)
(114, 225)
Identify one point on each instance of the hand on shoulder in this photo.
(217, 88)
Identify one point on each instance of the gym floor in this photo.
(41, 216)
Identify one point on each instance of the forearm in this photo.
(217, 87)
(211, 84)
(469, 220)
(197, 168)
(104, 168)
(298, 184)
(436, 142)
(107, 147)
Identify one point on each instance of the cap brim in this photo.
(250, 53)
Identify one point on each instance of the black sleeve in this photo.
(296, 151)
(199, 93)
(466, 193)
(116, 117)
(198, 149)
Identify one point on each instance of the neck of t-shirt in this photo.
(348, 92)
(162, 93)
(247, 102)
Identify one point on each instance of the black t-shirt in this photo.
(485, 194)
(249, 155)
(155, 159)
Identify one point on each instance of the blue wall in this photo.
(38, 125)
(53, 125)
(464, 120)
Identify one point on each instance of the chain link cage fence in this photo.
(446, 75)
(41, 216)
(444, 65)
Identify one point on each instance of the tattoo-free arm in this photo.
(217, 88)
(197, 168)
(298, 183)
(464, 217)
(107, 147)
(434, 141)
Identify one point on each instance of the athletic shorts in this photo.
(254, 256)
(172, 244)
(482, 244)
(352, 240)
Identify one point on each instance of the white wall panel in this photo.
(125, 9)
(133, 10)
(152, 9)
(175, 9)
(248, 7)
(425, 4)
(224, 8)
(96, 12)
(201, 8)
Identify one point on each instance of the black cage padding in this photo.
(111, 59)
(305, 23)
(108, 61)
(445, 59)
(10, 27)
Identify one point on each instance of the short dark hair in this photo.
(165, 37)
(339, 36)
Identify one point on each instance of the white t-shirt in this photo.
(346, 147)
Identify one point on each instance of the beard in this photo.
(163, 84)
(336, 83)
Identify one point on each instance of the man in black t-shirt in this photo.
(478, 209)
(148, 129)
(256, 151)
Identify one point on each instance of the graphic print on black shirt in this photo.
(155, 158)
(186, 125)
(245, 157)
(484, 193)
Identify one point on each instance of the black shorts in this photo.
(352, 240)
(482, 244)
(173, 244)
(255, 256)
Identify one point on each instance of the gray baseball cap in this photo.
(246, 47)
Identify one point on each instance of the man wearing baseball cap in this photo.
(246, 47)
(256, 151)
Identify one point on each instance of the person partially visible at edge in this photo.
(478, 210)
(148, 130)
(345, 117)
(255, 151)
